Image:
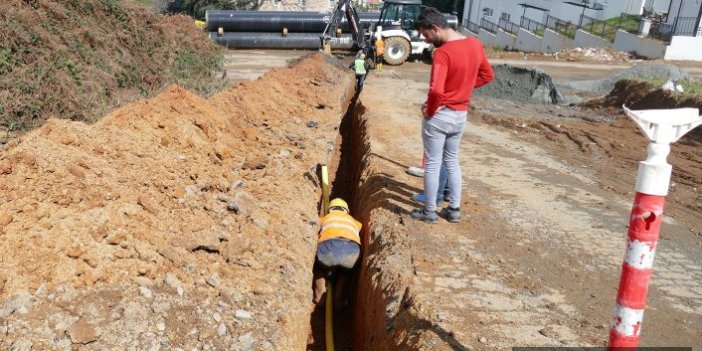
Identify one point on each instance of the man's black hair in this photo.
(431, 16)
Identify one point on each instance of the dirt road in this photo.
(537, 260)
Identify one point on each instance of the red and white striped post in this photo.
(662, 127)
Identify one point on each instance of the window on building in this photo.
(487, 12)
(505, 16)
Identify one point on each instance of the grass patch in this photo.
(691, 88)
(80, 59)
(197, 71)
(608, 28)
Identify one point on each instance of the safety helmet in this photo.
(339, 202)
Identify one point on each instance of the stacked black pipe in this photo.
(278, 29)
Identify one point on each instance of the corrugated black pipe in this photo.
(275, 21)
(255, 40)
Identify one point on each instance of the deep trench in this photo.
(346, 168)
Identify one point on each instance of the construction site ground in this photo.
(188, 223)
(548, 190)
(547, 194)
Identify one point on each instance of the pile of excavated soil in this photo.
(521, 85)
(175, 222)
(654, 70)
(639, 95)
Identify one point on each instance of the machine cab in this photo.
(400, 15)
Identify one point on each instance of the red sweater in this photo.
(458, 66)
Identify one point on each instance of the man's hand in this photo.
(424, 110)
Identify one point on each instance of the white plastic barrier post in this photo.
(661, 127)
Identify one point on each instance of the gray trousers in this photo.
(441, 135)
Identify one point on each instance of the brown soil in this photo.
(220, 193)
(536, 260)
(189, 222)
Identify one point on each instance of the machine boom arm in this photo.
(344, 8)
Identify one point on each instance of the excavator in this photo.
(396, 25)
(343, 29)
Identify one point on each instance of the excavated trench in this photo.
(346, 166)
(378, 317)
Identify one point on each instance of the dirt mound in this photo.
(521, 84)
(80, 59)
(177, 221)
(642, 96)
(593, 55)
(639, 95)
(646, 71)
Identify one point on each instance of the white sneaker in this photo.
(416, 171)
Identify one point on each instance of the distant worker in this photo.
(379, 52)
(338, 247)
(360, 67)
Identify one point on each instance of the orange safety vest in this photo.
(340, 225)
(379, 47)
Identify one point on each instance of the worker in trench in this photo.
(338, 249)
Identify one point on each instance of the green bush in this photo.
(80, 59)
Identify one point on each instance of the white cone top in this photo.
(665, 126)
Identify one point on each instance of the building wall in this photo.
(558, 9)
(554, 42)
(611, 8)
(528, 41)
(487, 38)
(509, 7)
(683, 8)
(628, 42)
(505, 40)
(586, 40)
(467, 33)
(684, 48)
(659, 6)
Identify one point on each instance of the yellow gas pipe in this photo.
(329, 306)
(329, 319)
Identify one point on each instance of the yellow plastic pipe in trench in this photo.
(329, 305)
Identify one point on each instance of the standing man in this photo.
(459, 65)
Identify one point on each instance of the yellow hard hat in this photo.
(339, 202)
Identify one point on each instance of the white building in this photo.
(568, 11)
(684, 18)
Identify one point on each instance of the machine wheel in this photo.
(397, 50)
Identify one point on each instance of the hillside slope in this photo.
(80, 59)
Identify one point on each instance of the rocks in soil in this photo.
(242, 314)
(21, 345)
(83, 332)
(17, 302)
(152, 176)
(213, 280)
(247, 342)
(206, 240)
